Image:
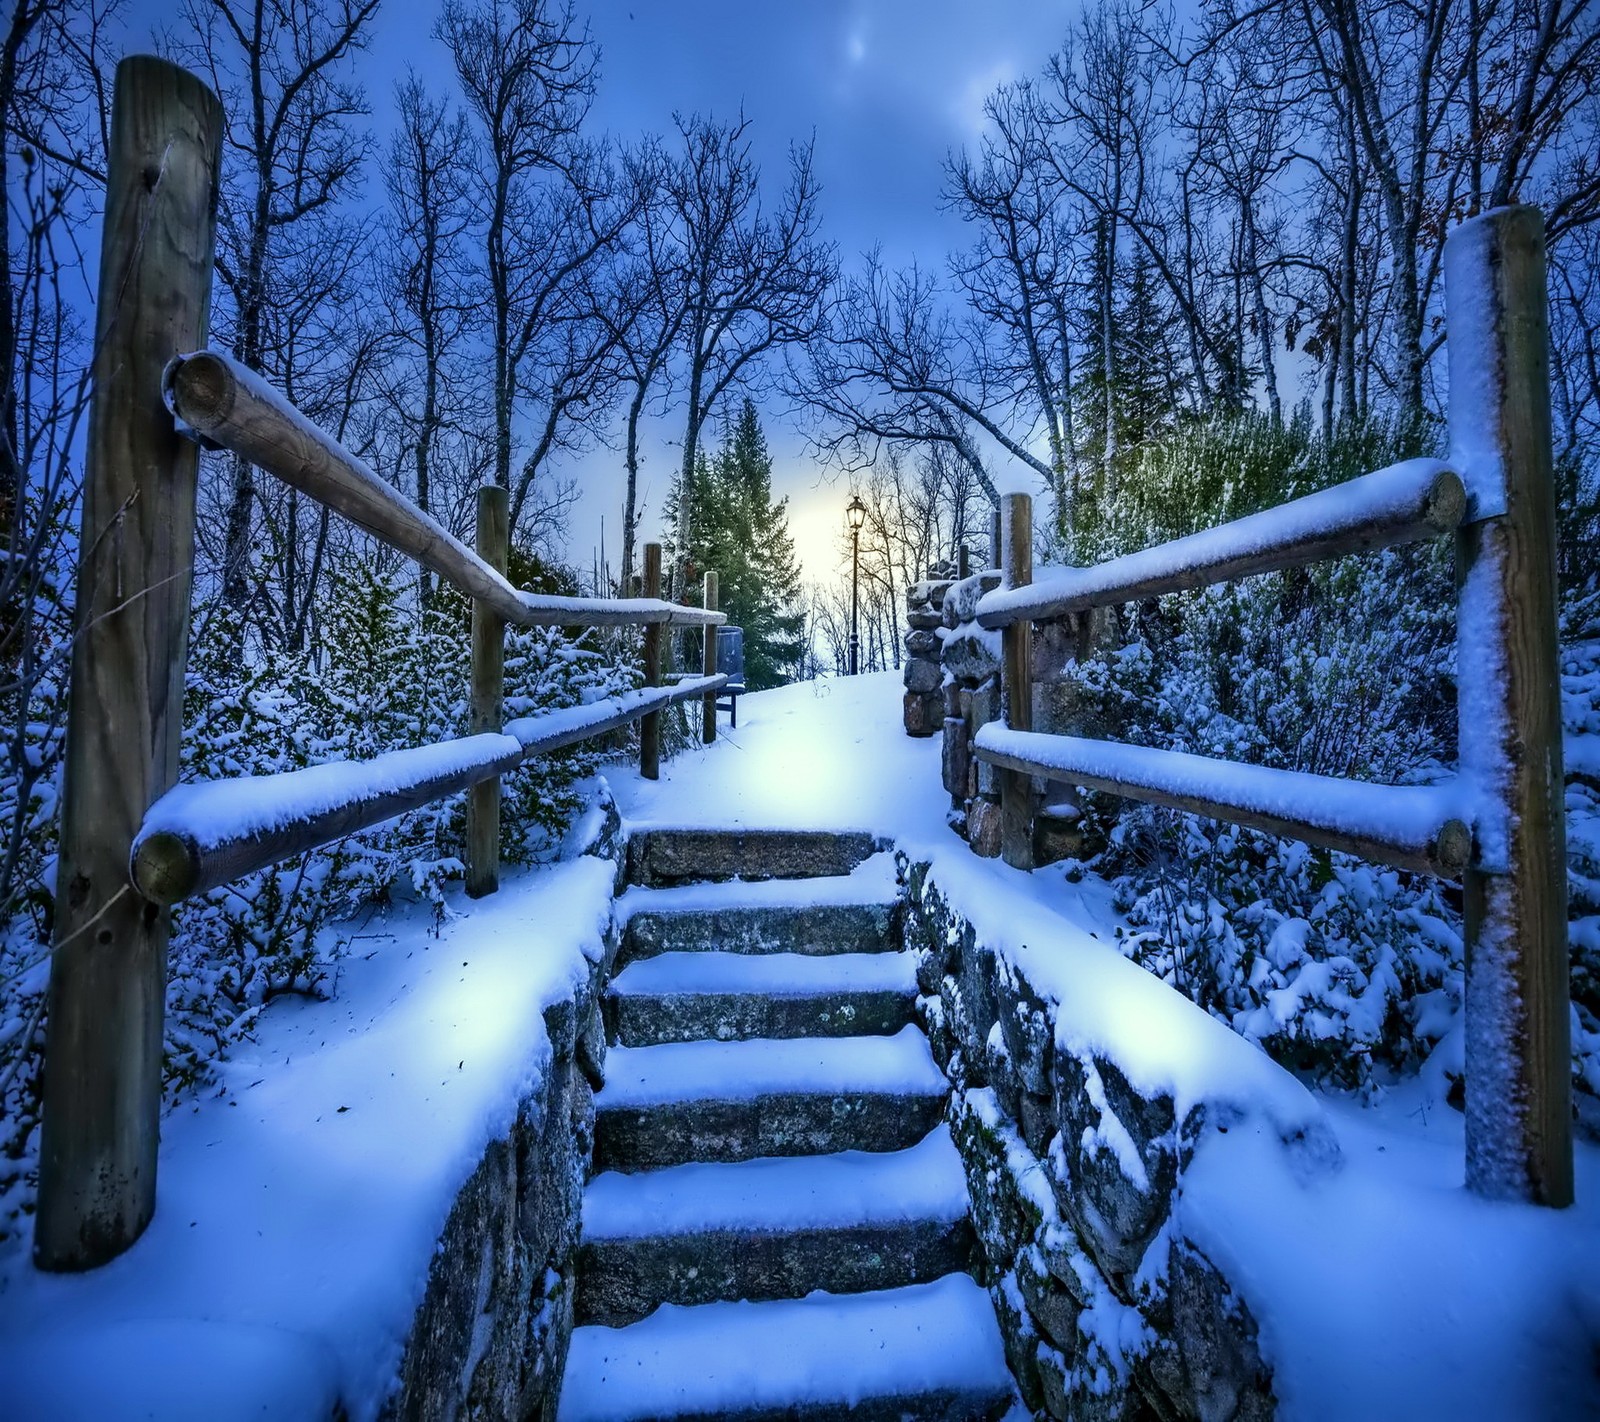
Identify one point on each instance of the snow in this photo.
(871, 882)
(1393, 496)
(1387, 1291)
(771, 1358)
(299, 1207)
(1406, 816)
(816, 755)
(216, 812)
(550, 730)
(775, 1195)
(778, 975)
(292, 1239)
(900, 1065)
(1471, 306)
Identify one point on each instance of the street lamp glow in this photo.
(856, 512)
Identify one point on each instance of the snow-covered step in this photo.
(684, 1101)
(840, 913)
(678, 997)
(665, 854)
(772, 1228)
(931, 1351)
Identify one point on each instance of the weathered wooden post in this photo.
(708, 664)
(488, 693)
(1016, 679)
(650, 724)
(1518, 1062)
(108, 973)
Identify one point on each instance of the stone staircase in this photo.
(778, 1224)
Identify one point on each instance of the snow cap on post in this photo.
(1518, 1030)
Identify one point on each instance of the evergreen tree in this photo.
(737, 530)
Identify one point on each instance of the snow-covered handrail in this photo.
(203, 834)
(226, 405)
(1404, 503)
(1411, 827)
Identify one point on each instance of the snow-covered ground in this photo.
(298, 1209)
(1382, 1288)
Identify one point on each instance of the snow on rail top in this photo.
(215, 812)
(901, 1065)
(1394, 495)
(1408, 816)
(777, 1194)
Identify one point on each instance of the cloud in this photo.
(967, 105)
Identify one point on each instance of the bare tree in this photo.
(646, 314)
(753, 282)
(552, 205)
(431, 213)
(1019, 277)
(291, 153)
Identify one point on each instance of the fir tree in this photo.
(737, 530)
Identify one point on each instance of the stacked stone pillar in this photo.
(924, 704)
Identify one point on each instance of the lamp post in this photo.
(856, 512)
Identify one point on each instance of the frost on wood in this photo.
(1476, 378)
(1418, 498)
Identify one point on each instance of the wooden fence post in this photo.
(708, 664)
(650, 724)
(488, 693)
(1016, 680)
(1518, 1063)
(108, 974)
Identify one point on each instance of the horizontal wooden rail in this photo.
(1410, 827)
(224, 404)
(1405, 503)
(202, 835)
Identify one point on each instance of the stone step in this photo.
(772, 1228)
(718, 1101)
(929, 1352)
(681, 997)
(659, 856)
(839, 913)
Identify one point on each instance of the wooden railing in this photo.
(133, 841)
(1498, 825)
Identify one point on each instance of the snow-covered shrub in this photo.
(1334, 965)
(1580, 704)
(1345, 970)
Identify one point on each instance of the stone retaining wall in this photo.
(489, 1340)
(1108, 1311)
